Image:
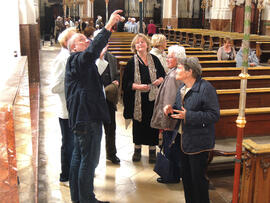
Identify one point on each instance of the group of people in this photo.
(164, 96)
(133, 27)
(227, 52)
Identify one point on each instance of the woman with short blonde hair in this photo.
(159, 45)
(145, 38)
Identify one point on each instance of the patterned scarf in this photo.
(137, 115)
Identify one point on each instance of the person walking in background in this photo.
(197, 110)
(58, 28)
(99, 22)
(166, 95)
(58, 88)
(87, 109)
(151, 28)
(159, 43)
(227, 51)
(142, 76)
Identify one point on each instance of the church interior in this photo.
(30, 140)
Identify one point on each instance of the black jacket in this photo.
(83, 86)
(202, 112)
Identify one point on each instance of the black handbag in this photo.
(162, 167)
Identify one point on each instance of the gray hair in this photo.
(179, 52)
(192, 63)
(71, 41)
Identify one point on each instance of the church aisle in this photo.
(124, 183)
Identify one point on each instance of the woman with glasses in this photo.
(197, 110)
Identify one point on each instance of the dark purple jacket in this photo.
(83, 86)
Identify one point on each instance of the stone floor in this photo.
(125, 183)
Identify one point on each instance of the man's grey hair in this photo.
(71, 41)
(192, 63)
(63, 37)
(179, 52)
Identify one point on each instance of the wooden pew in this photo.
(233, 82)
(263, 51)
(233, 71)
(257, 122)
(200, 57)
(256, 97)
(128, 52)
(208, 64)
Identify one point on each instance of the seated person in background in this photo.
(227, 51)
(252, 58)
(159, 45)
(169, 26)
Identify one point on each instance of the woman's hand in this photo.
(168, 110)
(115, 82)
(141, 87)
(158, 81)
(179, 114)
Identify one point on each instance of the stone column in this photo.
(170, 13)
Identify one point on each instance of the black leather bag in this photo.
(162, 167)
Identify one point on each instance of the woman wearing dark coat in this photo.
(142, 76)
(197, 108)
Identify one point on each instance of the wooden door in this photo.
(239, 17)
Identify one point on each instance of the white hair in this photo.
(71, 41)
(179, 52)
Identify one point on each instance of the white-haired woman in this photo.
(142, 76)
(159, 43)
(166, 95)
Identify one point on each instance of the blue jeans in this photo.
(66, 149)
(84, 161)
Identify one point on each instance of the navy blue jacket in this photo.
(83, 86)
(202, 111)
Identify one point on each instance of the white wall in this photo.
(27, 12)
(10, 41)
(220, 10)
(266, 11)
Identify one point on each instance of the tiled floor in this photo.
(124, 183)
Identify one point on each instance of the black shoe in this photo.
(137, 155)
(152, 156)
(161, 180)
(114, 159)
(98, 201)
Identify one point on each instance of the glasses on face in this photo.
(169, 57)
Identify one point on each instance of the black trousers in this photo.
(110, 132)
(66, 149)
(195, 182)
